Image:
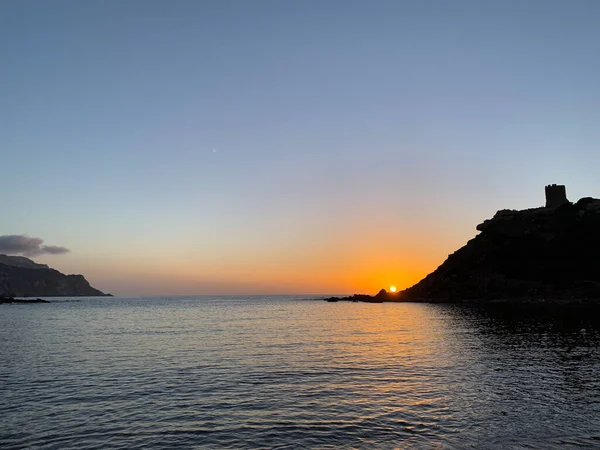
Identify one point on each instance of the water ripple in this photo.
(290, 373)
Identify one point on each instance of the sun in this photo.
(392, 288)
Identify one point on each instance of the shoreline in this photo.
(394, 298)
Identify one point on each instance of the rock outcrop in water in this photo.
(382, 296)
(543, 254)
(11, 300)
(21, 277)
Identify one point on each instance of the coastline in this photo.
(397, 298)
(12, 300)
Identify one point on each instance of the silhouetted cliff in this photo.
(542, 254)
(21, 277)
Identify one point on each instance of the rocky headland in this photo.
(22, 277)
(549, 254)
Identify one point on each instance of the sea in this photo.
(295, 372)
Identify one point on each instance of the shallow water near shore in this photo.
(290, 372)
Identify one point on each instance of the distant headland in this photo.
(22, 277)
(546, 254)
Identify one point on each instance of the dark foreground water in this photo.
(282, 372)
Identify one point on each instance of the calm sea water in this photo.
(286, 372)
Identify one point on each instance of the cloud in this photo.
(54, 250)
(21, 244)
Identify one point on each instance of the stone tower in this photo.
(556, 195)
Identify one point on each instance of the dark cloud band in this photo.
(20, 244)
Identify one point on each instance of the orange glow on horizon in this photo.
(352, 261)
(361, 274)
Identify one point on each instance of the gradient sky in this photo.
(196, 147)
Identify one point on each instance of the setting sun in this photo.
(392, 288)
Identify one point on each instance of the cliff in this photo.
(534, 255)
(21, 277)
(21, 261)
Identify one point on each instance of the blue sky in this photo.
(237, 146)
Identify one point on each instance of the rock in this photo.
(382, 296)
(21, 261)
(7, 300)
(534, 255)
(21, 277)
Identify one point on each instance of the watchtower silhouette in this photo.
(556, 195)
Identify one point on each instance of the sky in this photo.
(273, 147)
